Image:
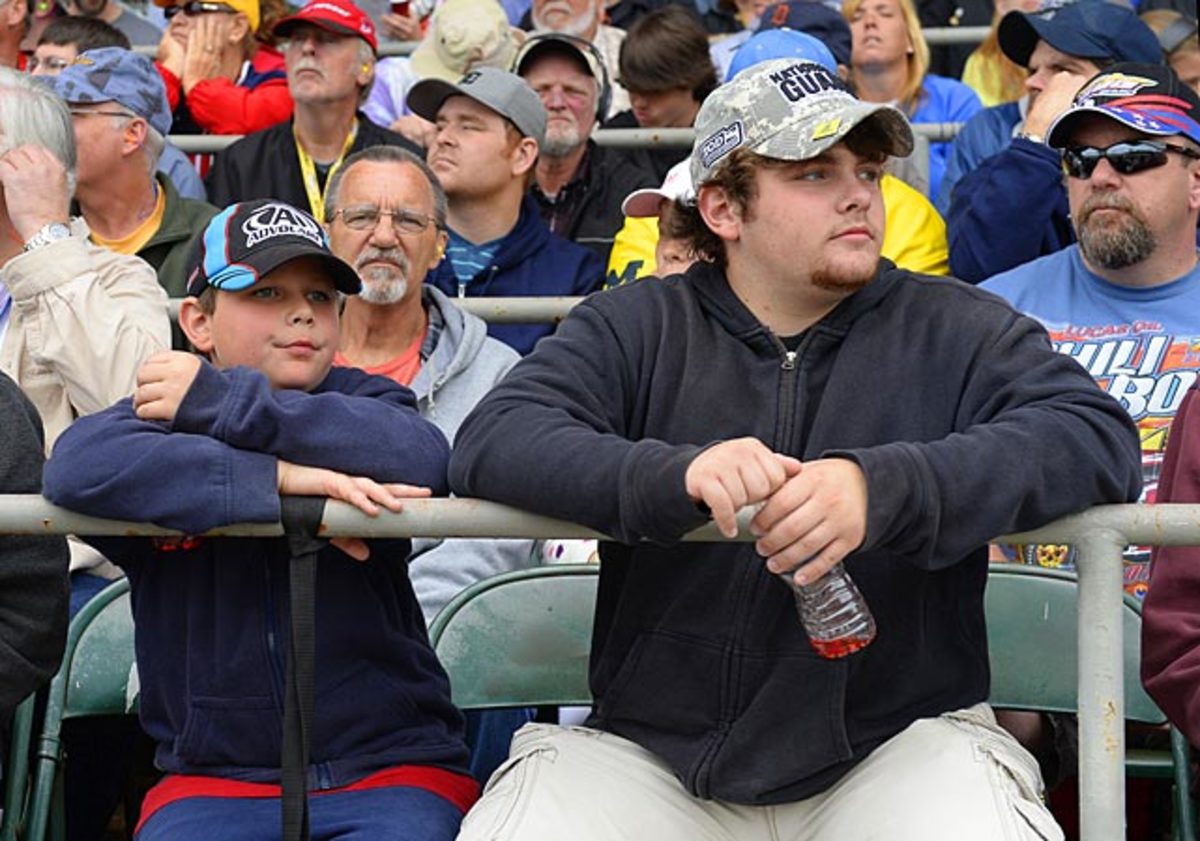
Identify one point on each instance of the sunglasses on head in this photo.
(1126, 157)
(192, 8)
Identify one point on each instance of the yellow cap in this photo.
(249, 8)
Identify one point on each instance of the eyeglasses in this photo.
(1126, 158)
(192, 8)
(83, 112)
(52, 62)
(366, 217)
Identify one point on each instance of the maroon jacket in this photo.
(1171, 615)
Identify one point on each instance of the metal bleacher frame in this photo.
(1099, 535)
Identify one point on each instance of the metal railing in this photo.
(674, 138)
(1099, 536)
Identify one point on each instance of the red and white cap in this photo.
(339, 16)
(677, 185)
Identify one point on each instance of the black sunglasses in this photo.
(192, 8)
(1126, 157)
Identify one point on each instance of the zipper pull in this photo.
(462, 289)
(789, 360)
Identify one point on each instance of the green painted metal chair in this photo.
(1032, 633)
(520, 639)
(16, 771)
(98, 676)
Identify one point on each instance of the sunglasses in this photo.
(192, 8)
(1126, 158)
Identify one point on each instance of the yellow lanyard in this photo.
(308, 172)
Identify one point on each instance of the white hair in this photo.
(32, 114)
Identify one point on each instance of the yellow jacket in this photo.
(914, 237)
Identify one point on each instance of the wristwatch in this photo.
(47, 234)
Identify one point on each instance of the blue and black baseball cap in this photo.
(1148, 98)
(247, 240)
(1091, 29)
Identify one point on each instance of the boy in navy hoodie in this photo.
(208, 442)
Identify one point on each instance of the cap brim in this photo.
(266, 260)
(1017, 38)
(1140, 121)
(645, 202)
(425, 98)
(798, 141)
(288, 25)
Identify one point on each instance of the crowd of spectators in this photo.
(1062, 175)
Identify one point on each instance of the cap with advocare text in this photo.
(245, 241)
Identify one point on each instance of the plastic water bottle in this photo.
(834, 613)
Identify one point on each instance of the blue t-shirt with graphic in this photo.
(1142, 345)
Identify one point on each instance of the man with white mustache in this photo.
(329, 48)
(1125, 300)
(386, 217)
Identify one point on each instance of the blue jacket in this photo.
(943, 101)
(530, 261)
(985, 134)
(212, 614)
(1009, 210)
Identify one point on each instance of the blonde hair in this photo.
(918, 59)
(1011, 76)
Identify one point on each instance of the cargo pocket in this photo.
(1015, 777)
(506, 797)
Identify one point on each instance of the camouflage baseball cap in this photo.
(789, 110)
(114, 74)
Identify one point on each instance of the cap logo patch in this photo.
(279, 220)
(721, 142)
(826, 129)
(801, 80)
(1113, 85)
(470, 78)
(329, 7)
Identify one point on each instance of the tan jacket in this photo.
(82, 320)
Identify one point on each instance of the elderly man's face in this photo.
(391, 260)
(324, 67)
(569, 94)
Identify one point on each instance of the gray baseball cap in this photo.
(789, 110)
(505, 93)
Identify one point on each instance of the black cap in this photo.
(247, 240)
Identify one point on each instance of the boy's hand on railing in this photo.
(162, 383)
(364, 494)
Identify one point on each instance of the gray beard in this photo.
(382, 287)
(1115, 246)
(561, 144)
